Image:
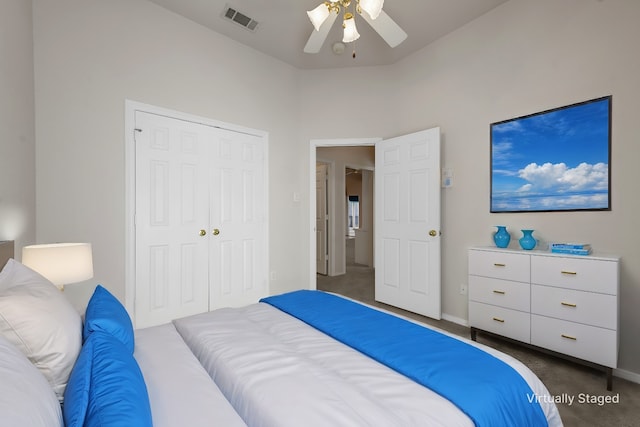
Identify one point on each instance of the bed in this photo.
(288, 360)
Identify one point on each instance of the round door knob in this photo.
(203, 232)
(433, 233)
(216, 231)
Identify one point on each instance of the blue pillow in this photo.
(76, 394)
(106, 387)
(105, 313)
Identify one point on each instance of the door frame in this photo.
(130, 181)
(313, 144)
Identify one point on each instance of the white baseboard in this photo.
(454, 319)
(627, 375)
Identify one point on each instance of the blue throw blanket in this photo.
(485, 388)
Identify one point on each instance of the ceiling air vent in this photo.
(239, 18)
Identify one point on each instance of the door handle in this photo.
(215, 231)
(203, 233)
(433, 233)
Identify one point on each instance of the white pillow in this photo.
(26, 398)
(37, 318)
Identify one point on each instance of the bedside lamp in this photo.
(61, 263)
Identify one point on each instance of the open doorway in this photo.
(349, 160)
(358, 280)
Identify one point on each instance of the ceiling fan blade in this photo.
(317, 38)
(387, 28)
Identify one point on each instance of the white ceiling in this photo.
(284, 27)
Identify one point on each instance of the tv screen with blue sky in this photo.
(556, 160)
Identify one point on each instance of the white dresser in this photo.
(567, 304)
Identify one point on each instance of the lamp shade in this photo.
(350, 31)
(61, 263)
(318, 15)
(372, 7)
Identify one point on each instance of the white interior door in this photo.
(407, 222)
(172, 206)
(322, 218)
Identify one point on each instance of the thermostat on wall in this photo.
(447, 177)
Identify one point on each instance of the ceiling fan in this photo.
(323, 17)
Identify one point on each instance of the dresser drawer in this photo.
(499, 320)
(501, 265)
(504, 293)
(585, 342)
(576, 306)
(573, 272)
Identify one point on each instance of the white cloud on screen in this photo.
(559, 178)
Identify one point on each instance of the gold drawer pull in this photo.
(499, 264)
(573, 273)
(499, 292)
(569, 337)
(569, 304)
(497, 319)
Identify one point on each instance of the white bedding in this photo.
(180, 391)
(277, 371)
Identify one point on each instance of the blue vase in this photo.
(502, 237)
(527, 241)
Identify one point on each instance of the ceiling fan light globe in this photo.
(372, 7)
(318, 16)
(350, 31)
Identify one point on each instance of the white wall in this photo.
(91, 55)
(523, 57)
(17, 135)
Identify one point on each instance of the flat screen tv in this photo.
(555, 160)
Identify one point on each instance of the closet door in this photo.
(200, 221)
(238, 243)
(172, 207)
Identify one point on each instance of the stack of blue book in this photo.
(570, 248)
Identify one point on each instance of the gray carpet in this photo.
(564, 379)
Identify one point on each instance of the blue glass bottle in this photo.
(527, 241)
(502, 237)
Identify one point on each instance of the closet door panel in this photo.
(238, 213)
(172, 206)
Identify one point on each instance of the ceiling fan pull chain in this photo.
(357, 10)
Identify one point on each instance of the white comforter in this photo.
(277, 371)
(180, 391)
